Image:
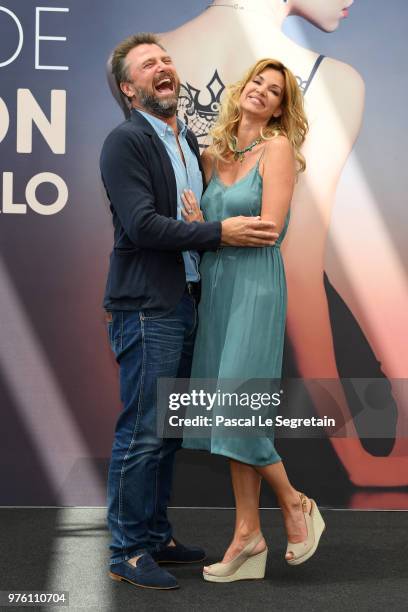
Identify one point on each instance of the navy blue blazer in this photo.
(146, 268)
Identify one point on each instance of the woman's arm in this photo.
(278, 172)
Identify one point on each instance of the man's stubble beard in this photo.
(162, 107)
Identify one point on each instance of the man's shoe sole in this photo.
(118, 578)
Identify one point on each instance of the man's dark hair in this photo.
(118, 62)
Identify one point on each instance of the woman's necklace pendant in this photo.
(239, 154)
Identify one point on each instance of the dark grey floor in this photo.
(361, 564)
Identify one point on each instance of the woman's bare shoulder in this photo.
(336, 97)
(206, 155)
(340, 75)
(207, 160)
(277, 146)
(278, 154)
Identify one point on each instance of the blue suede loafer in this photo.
(146, 574)
(179, 554)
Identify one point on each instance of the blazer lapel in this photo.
(169, 175)
(165, 162)
(192, 142)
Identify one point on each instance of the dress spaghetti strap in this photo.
(261, 155)
(313, 72)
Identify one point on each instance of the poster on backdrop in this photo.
(344, 252)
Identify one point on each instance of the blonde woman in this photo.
(251, 170)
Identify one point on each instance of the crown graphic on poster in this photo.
(215, 87)
(198, 116)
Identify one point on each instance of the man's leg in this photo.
(159, 527)
(145, 348)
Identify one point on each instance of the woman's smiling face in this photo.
(324, 14)
(263, 93)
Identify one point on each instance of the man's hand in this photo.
(248, 232)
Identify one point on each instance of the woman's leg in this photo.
(246, 481)
(288, 500)
(246, 484)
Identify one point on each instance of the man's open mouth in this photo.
(164, 86)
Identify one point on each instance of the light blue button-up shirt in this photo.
(187, 177)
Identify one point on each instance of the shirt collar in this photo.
(160, 126)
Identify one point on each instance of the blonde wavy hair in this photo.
(292, 123)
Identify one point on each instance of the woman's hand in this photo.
(190, 208)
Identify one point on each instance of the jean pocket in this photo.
(153, 315)
(114, 325)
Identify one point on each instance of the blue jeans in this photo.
(147, 346)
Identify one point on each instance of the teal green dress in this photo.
(241, 314)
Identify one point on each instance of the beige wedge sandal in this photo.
(244, 567)
(302, 551)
